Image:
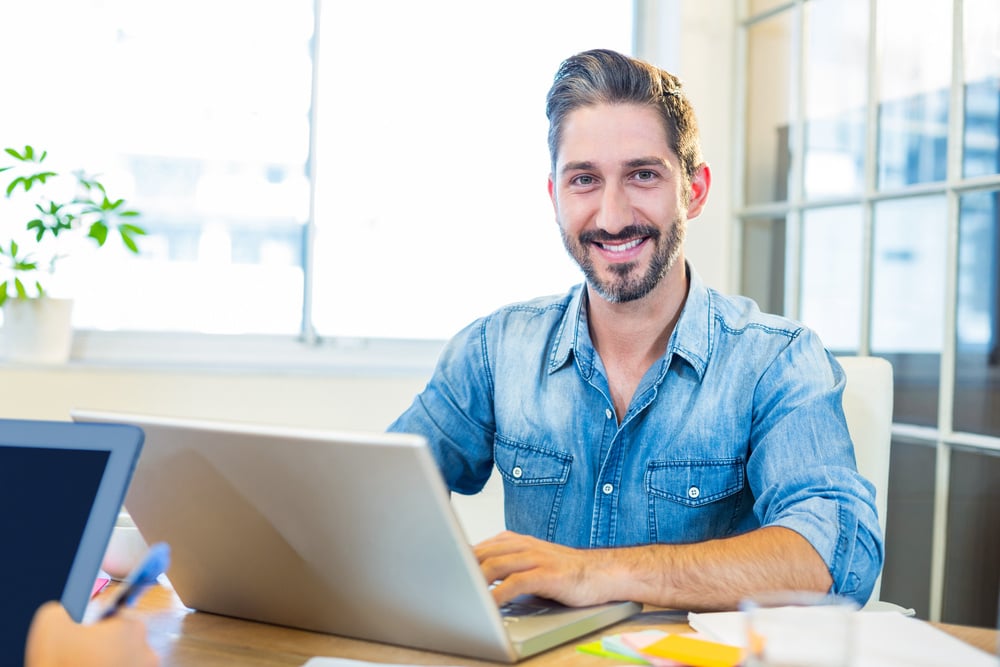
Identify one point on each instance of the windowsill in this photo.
(254, 353)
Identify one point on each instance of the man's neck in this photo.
(630, 337)
(641, 326)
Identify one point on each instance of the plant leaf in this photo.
(3, 293)
(19, 288)
(13, 184)
(98, 232)
(13, 153)
(132, 230)
(39, 228)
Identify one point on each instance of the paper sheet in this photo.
(345, 662)
(884, 639)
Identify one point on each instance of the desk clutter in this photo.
(880, 638)
(663, 649)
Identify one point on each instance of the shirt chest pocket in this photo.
(694, 500)
(534, 479)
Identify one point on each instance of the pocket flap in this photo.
(695, 483)
(530, 464)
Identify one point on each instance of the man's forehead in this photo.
(613, 135)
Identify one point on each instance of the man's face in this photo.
(620, 199)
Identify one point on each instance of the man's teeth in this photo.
(622, 247)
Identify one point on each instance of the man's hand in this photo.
(528, 565)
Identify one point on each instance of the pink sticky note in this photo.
(641, 639)
(99, 585)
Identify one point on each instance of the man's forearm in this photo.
(715, 574)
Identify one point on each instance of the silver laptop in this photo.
(61, 485)
(344, 533)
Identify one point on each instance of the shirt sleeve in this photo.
(455, 411)
(802, 468)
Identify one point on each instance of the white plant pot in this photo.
(37, 331)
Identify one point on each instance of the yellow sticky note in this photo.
(694, 652)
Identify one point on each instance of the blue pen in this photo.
(152, 566)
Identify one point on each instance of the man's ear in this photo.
(700, 184)
(552, 194)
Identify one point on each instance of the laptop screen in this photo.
(60, 490)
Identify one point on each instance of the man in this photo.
(658, 441)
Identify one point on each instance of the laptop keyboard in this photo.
(520, 608)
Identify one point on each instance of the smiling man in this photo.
(658, 441)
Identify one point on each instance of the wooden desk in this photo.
(185, 638)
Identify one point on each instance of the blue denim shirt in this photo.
(739, 425)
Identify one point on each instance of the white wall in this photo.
(331, 401)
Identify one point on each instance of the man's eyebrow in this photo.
(635, 163)
(647, 162)
(582, 165)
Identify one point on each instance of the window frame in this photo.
(943, 438)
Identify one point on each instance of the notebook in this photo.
(61, 487)
(344, 533)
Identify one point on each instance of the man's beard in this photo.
(627, 284)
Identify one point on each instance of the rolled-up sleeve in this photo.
(802, 467)
(454, 412)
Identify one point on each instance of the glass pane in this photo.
(201, 127)
(977, 380)
(908, 301)
(763, 278)
(915, 55)
(431, 179)
(910, 513)
(832, 270)
(836, 48)
(759, 6)
(972, 566)
(769, 109)
(981, 26)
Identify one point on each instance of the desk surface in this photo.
(184, 638)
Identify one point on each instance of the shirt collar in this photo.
(691, 340)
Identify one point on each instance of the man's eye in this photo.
(645, 175)
(583, 179)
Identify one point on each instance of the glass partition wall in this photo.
(869, 210)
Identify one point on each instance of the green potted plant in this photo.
(47, 217)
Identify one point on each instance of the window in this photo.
(431, 203)
(426, 145)
(200, 125)
(874, 150)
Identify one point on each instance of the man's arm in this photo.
(710, 575)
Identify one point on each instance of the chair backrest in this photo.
(868, 409)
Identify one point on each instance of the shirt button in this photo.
(608, 413)
(517, 472)
(607, 488)
(694, 492)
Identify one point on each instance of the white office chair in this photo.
(868, 409)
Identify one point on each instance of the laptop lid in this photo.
(61, 487)
(344, 533)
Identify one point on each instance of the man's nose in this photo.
(615, 213)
